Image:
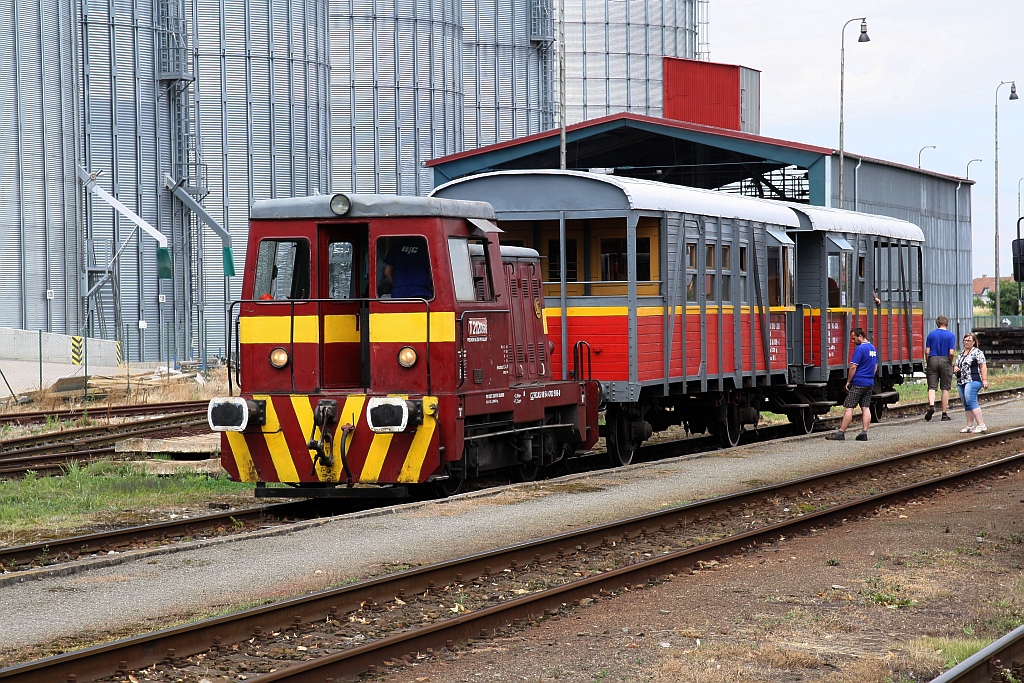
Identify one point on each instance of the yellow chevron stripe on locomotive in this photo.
(277, 451)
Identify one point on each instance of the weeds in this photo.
(886, 592)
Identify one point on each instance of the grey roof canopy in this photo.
(370, 206)
(517, 194)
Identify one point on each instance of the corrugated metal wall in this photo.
(750, 100)
(506, 71)
(39, 246)
(396, 92)
(614, 51)
(262, 89)
(930, 202)
(703, 92)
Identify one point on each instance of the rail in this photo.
(990, 663)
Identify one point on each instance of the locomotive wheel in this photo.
(803, 421)
(446, 488)
(729, 430)
(619, 442)
(526, 471)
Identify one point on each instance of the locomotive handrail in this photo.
(291, 341)
(577, 361)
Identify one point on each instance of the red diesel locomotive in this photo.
(392, 341)
(404, 341)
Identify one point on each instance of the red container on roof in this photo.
(721, 95)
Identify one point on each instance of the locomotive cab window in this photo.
(403, 268)
(470, 273)
(282, 270)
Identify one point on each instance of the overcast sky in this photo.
(928, 77)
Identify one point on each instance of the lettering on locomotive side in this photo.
(493, 398)
(477, 330)
(550, 393)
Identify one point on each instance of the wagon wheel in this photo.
(445, 488)
(619, 440)
(729, 429)
(527, 471)
(877, 411)
(802, 421)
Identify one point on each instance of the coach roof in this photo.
(551, 190)
(545, 191)
(369, 206)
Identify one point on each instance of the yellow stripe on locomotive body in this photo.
(279, 329)
(407, 328)
(274, 437)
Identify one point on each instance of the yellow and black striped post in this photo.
(76, 350)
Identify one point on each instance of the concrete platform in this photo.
(199, 447)
(136, 588)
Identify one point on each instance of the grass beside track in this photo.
(105, 494)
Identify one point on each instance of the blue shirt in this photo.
(939, 342)
(865, 357)
(411, 276)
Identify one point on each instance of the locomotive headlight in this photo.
(279, 357)
(340, 204)
(407, 357)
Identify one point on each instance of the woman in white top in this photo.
(971, 376)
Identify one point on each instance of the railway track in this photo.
(233, 521)
(997, 662)
(409, 614)
(68, 549)
(138, 410)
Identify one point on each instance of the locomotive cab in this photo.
(390, 341)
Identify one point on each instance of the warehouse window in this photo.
(282, 270)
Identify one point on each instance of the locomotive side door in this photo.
(344, 329)
(481, 319)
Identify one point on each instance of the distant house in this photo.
(983, 285)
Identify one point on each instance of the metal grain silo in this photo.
(614, 51)
(396, 92)
(225, 100)
(507, 69)
(39, 247)
(261, 91)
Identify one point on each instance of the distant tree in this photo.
(1008, 304)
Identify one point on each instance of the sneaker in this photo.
(863, 436)
(967, 430)
(979, 429)
(946, 418)
(928, 413)
(836, 436)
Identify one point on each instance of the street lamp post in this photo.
(1013, 96)
(842, 86)
(921, 150)
(969, 167)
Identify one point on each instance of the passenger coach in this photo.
(702, 308)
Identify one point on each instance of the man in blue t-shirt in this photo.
(859, 382)
(407, 268)
(939, 349)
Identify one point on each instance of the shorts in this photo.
(939, 373)
(858, 396)
(969, 395)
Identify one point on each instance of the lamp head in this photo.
(863, 32)
(1013, 91)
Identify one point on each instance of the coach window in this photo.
(691, 271)
(282, 270)
(614, 263)
(710, 293)
(571, 261)
(743, 272)
(403, 268)
(726, 273)
(780, 276)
